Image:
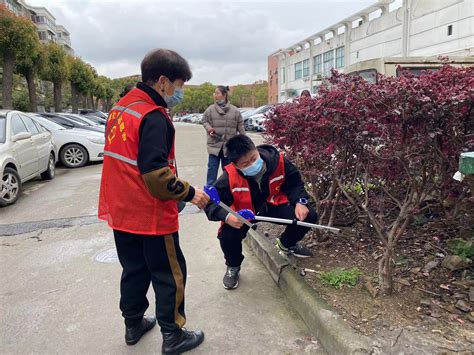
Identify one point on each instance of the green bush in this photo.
(339, 277)
(21, 101)
(461, 248)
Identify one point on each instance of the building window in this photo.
(450, 30)
(283, 76)
(340, 57)
(298, 70)
(317, 64)
(42, 36)
(328, 62)
(315, 89)
(306, 68)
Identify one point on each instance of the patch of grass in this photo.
(461, 248)
(339, 277)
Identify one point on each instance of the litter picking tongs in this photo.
(245, 216)
(214, 196)
(249, 215)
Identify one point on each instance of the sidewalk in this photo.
(56, 297)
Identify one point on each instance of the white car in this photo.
(76, 147)
(26, 151)
(255, 120)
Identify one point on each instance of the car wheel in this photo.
(74, 156)
(11, 187)
(50, 172)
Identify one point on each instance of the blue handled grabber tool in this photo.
(214, 196)
(249, 215)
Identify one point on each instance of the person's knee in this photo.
(231, 234)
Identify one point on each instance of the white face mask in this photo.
(253, 169)
(174, 99)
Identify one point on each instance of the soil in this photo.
(424, 300)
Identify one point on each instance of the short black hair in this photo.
(238, 146)
(165, 62)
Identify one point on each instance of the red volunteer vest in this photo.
(124, 200)
(240, 189)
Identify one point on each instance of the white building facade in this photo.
(48, 30)
(389, 28)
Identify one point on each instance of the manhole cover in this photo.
(107, 256)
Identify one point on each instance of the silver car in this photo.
(26, 151)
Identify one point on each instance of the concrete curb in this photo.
(325, 324)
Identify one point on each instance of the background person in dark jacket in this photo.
(221, 121)
(274, 187)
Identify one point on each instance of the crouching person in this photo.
(262, 180)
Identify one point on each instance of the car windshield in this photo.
(3, 124)
(87, 120)
(261, 109)
(78, 120)
(248, 113)
(96, 119)
(49, 125)
(60, 121)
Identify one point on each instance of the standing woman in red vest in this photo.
(222, 121)
(139, 193)
(262, 180)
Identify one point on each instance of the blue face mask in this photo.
(253, 169)
(174, 99)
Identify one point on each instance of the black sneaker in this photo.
(231, 277)
(300, 251)
(134, 334)
(181, 341)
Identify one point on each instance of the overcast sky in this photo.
(225, 42)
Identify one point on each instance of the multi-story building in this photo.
(389, 28)
(48, 30)
(16, 6)
(64, 38)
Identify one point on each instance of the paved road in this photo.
(60, 276)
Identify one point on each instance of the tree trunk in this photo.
(97, 102)
(107, 105)
(332, 216)
(30, 79)
(74, 99)
(8, 65)
(385, 272)
(57, 97)
(92, 102)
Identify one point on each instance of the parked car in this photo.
(100, 121)
(186, 118)
(196, 118)
(96, 113)
(257, 116)
(246, 115)
(90, 120)
(76, 147)
(26, 151)
(70, 121)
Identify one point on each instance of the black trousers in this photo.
(231, 238)
(157, 260)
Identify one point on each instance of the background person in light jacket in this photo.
(221, 121)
